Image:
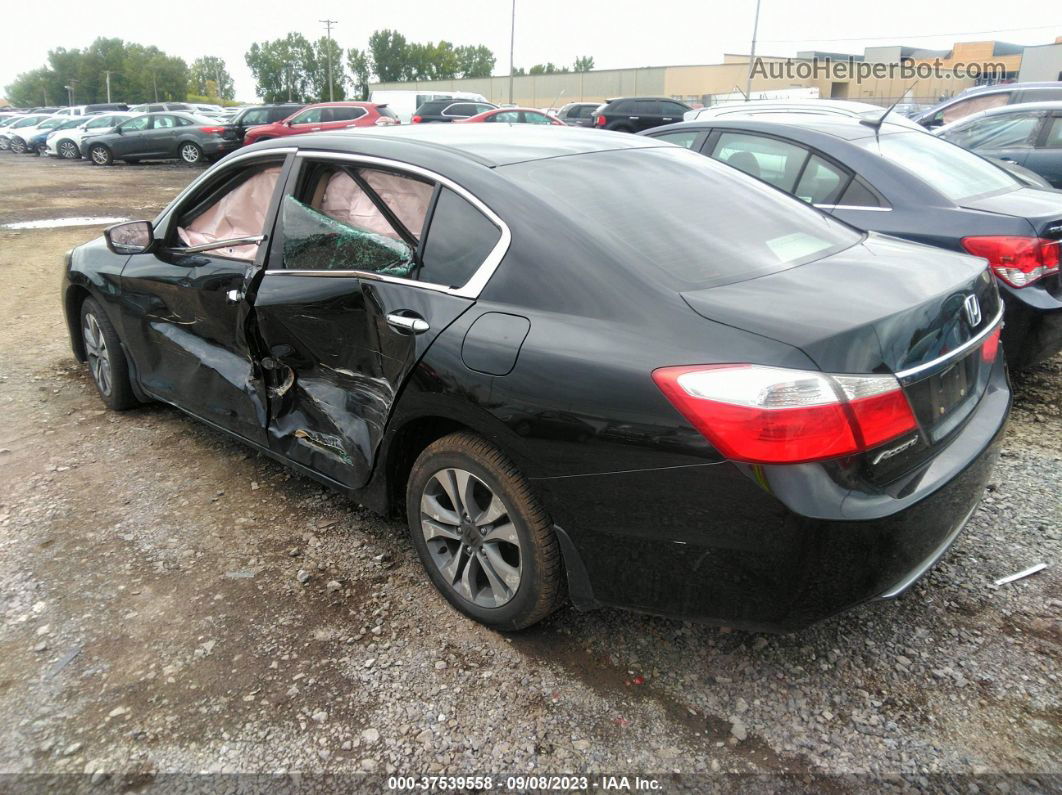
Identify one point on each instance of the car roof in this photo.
(485, 144)
(641, 96)
(836, 104)
(844, 127)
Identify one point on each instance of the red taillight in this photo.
(990, 347)
(417, 119)
(1019, 261)
(600, 121)
(771, 415)
(212, 130)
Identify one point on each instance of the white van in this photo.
(405, 103)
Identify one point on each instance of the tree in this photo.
(283, 68)
(475, 61)
(584, 63)
(547, 69)
(390, 55)
(361, 70)
(325, 49)
(211, 69)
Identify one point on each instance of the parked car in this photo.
(1029, 135)
(820, 107)
(441, 111)
(13, 137)
(634, 114)
(161, 136)
(578, 114)
(325, 117)
(66, 143)
(405, 103)
(37, 137)
(916, 186)
(749, 412)
(512, 116)
(88, 110)
(973, 100)
(256, 115)
(159, 107)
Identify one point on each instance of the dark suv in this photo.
(447, 110)
(254, 115)
(634, 114)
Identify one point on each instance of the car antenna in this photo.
(875, 124)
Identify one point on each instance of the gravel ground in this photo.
(171, 602)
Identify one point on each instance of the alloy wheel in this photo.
(99, 156)
(190, 153)
(99, 357)
(471, 538)
(68, 150)
(18, 146)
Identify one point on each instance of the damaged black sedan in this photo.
(584, 366)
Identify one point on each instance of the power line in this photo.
(919, 36)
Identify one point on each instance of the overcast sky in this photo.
(617, 33)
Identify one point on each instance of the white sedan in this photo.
(67, 143)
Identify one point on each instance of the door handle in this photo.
(416, 325)
(635, 118)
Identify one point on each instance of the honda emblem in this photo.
(972, 308)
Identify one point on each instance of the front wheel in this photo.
(101, 155)
(190, 153)
(68, 150)
(18, 146)
(105, 358)
(481, 534)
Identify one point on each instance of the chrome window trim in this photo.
(211, 172)
(853, 207)
(475, 284)
(966, 347)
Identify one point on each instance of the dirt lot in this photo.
(151, 620)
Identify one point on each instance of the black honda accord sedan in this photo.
(582, 364)
(901, 182)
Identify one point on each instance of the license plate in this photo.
(950, 388)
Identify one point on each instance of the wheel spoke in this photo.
(430, 506)
(450, 480)
(495, 567)
(467, 584)
(494, 512)
(433, 529)
(503, 532)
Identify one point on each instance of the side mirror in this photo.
(119, 130)
(289, 123)
(134, 237)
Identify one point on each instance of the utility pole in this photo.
(328, 23)
(155, 85)
(752, 54)
(107, 72)
(512, 44)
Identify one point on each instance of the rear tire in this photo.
(17, 145)
(100, 155)
(481, 534)
(106, 359)
(190, 153)
(67, 150)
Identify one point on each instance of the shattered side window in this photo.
(315, 241)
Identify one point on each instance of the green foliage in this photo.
(475, 61)
(210, 69)
(583, 63)
(283, 68)
(390, 54)
(394, 59)
(138, 74)
(361, 69)
(547, 69)
(317, 71)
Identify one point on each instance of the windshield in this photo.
(29, 121)
(953, 171)
(694, 222)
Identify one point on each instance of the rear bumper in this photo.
(220, 147)
(716, 543)
(1033, 330)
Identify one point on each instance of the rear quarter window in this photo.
(459, 239)
(679, 217)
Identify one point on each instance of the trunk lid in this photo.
(886, 306)
(1043, 209)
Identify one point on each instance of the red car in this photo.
(323, 117)
(512, 116)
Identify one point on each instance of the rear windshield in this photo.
(693, 222)
(953, 171)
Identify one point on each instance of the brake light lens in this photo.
(1019, 261)
(772, 415)
(384, 121)
(600, 121)
(417, 119)
(212, 130)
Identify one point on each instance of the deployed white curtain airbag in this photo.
(407, 198)
(239, 213)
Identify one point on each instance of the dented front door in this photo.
(339, 348)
